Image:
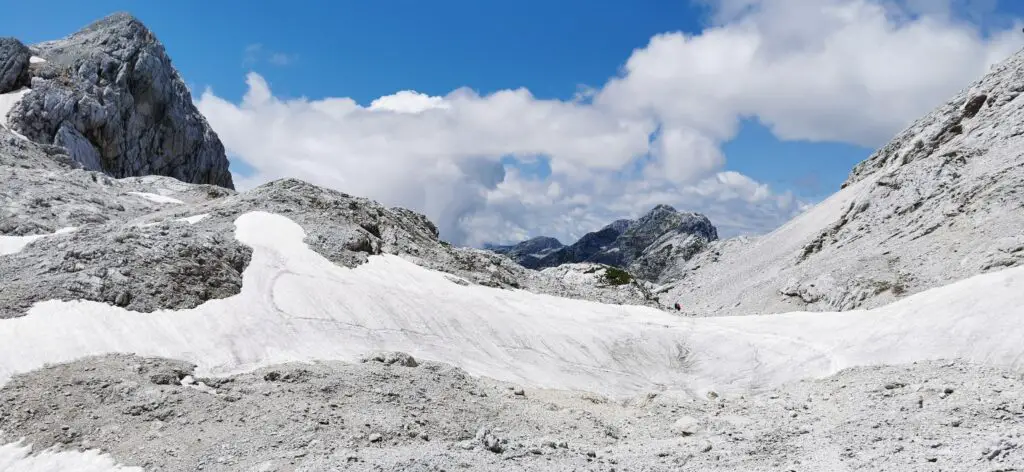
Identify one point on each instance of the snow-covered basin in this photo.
(297, 306)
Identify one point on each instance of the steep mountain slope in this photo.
(110, 96)
(941, 202)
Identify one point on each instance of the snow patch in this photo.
(14, 244)
(153, 197)
(16, 457)
(7, 101)
(36, 60)
(190, 220)
(297, 306)
(194, 219)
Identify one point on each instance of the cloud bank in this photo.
(505, 166)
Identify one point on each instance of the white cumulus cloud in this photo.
(852, 71)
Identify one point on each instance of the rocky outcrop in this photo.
(941, 202)
(14, 60)
(110, 95)
(651, 247)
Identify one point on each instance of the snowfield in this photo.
(297, 306)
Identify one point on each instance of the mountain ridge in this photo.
(647, 246)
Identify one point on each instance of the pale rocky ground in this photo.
(393, 413)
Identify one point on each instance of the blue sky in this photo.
(368, 49)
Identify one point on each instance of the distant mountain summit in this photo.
(110, 96)
(648, 247)
(531, 249)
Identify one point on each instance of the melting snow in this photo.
(14, 244)
(15, 457)
(156, 198)
(297, 306)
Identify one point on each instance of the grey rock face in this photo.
(111, 96)
(14, 59)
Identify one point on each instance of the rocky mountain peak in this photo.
(110, 95)
(541, 243)
(619, 226)
(650, 244)
(662, 220)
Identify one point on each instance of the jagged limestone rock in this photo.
(111, 96)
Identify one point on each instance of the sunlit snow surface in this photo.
(296, 305)
(14, 244)
(156, 198)
(16, 458)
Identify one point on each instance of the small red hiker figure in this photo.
(678, 306)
